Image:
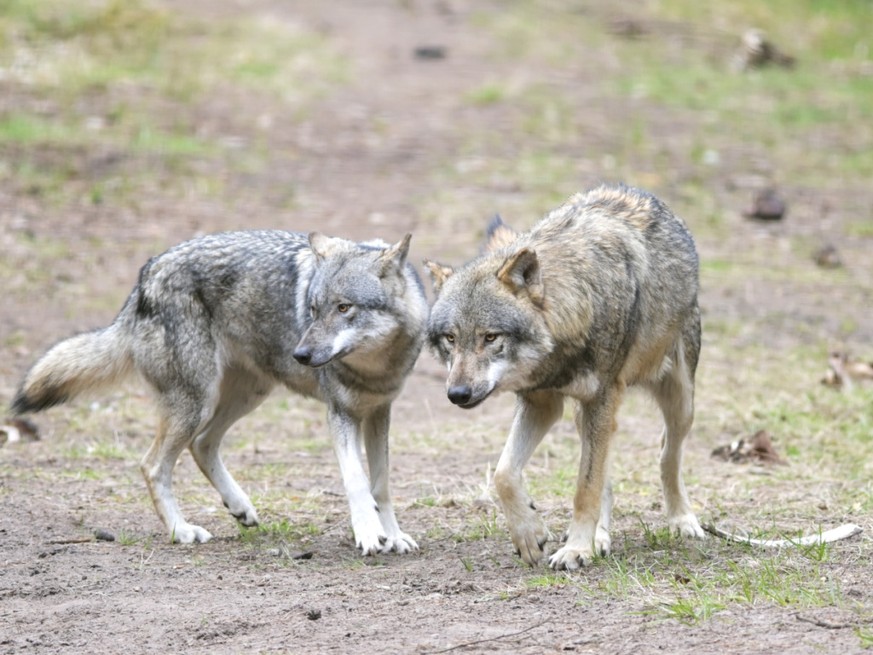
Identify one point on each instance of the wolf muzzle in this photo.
(462, 396)
(303, 354)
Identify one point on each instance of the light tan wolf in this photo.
(600, 295)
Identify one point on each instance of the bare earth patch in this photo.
(382, 140)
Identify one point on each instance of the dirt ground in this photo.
(366, 159)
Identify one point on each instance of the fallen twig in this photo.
(482, 641)
(72, 540)
(822, 623)
(842, 532)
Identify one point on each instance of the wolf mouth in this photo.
(474, 402)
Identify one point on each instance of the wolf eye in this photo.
(449, 337)
(343, 307)
(312, 311)
(491, 337)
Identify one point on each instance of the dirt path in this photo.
(367, 157)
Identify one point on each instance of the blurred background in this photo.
(129, 125)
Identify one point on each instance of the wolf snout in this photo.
(460, 394)
(303, 354)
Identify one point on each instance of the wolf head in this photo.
(488, 324)
(355, 300)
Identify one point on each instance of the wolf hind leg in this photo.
(535, 413)
(675, 396)
(376, 430)
(185, 374)
(239, 394)
(175, 432)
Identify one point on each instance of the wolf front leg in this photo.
(535, 413)
(592, 505)
(675, 396)
(376, 429)
(346, 430)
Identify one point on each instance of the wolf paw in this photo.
(686, 525)
(186, 533)
(602, 542)
(370, 535)
(371, 544)
(529, 543)
(400, 543)
(570, 558)
(246, 516)
(370, 538)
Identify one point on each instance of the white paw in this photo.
(571, 557)
(370, 537)
(370, 544)
(400, 543)
(186, 533)
(686, 525)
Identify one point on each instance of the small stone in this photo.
(103, 535)
(767, 205)
(828, 257)
(430, 52)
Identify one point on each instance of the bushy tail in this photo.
(85, 362)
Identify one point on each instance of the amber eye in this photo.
(449, 337)
(342, 308)
(490, 337)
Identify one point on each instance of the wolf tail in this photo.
(83, 363)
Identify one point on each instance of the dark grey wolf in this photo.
(215, 323)
(600, 295)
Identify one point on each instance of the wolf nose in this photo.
(461, 394)
(303, 355)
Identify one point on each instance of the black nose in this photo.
(461, 394)
(303, 355)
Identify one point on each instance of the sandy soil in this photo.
(358, 165)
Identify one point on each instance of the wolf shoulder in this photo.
(618, 211)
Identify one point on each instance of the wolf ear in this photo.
(497, 235)
(324, 246)
(438, 274)
(394, 257)
(521, 273)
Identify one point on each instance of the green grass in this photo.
(488, 94)
(772, 107)
(550, 580)
(280, 531)
(26, 130)
(126, 78)
(835, 30)
(479, 526)
(745, 116)
(692, 584)
(99, 43)
(865, 635)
